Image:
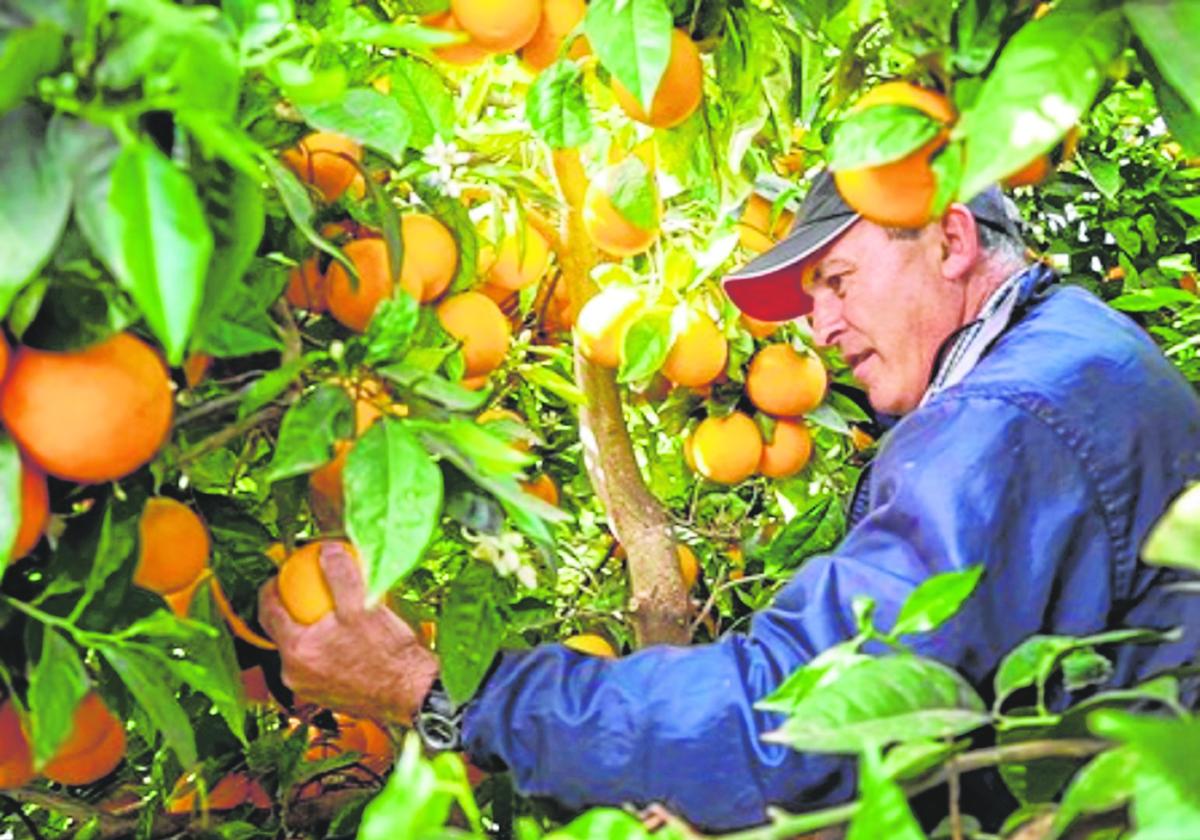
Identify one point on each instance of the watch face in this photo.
(439, 723)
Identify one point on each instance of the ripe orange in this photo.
(462, 55)
(320, 160)
(353, 305)
(603, 322)
(520, 261)
(699, 353)
(94, 748)
(195, 368)
(679, 90)
(230, 791)
(785, 383)
(1031, 174)
(559, 17)
(498, 25)
(543, 487)
(476, 321)
(755, 231)
(727, 449)
(689, 566)
(306, 288)
(173, 546)
(302, 586)
(591, 643)
(3, 357)
(760, 329)
(607, 227)
(325, 483)
(788, 451)
(1187, 282)
(430, 256)
(899, 193)
(88, 415)
(16, 759)
(35, 511)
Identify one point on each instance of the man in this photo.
(1040, 434)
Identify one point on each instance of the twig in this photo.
(222, 437)
(293, 345)
(952, 784)
(212, 407)
(66, 806)
(721, 586)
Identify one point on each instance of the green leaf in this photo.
(632, 191)
(390, 332)
(823, 669)
(557, 108)
(632, 39)
(937, 599)
(164, 240)
(422, 92)
(258, 22)
(1083, 668)
(115, 545)
(827, 417)
(647, 345)
(1175, 538)
(430, 386)
(880, 134)
(34, 203)
(816, 527)
(470, 630)
(883, 810)
(308, 432)
(148, 678)
(1167, 30)
(1148, 300)
(1044, 80)
(270, 385)
(367, 116)
(486, 451)
(25, 55)
(393, 503)
(908, 761)
(56, 685)
(880, 701)
(412, 805)
(1104, 784)
(302, 83)
(10, 488)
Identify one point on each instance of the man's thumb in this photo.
(339, 562)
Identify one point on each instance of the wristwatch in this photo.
(439, 720)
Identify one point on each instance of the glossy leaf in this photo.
(429, 104)
(470, 630)
(165, 243)
(556, 107)
(1104, 784)
(883, 808)
(10, 488)
(633, 192)
(1175, 538)
(34, 203)
(393, 503)
(25, 55)
(882, 701)
(413, 804)
(146, 675)
(258, 22)
(879, 135)
(1166, 30)
(367, 116)
(632, 38)
(825, 667)
(308, 432)
(56, 685)
(937, 599)
(647, 343)
(271, 385)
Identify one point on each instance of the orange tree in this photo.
(281, 272)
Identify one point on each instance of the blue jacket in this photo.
(1048, 463)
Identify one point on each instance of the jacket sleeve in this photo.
(962, 482)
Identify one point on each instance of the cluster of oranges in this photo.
(533, 29)
(93, 748)
(120, 385)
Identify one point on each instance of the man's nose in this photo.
(826, 317)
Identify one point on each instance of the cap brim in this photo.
(768, 287)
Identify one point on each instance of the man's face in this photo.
(885, 303)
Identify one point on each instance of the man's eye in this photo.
(834, 284)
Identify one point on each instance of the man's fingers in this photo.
(273, 616)
(345, 580)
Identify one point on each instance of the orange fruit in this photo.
(785, 383)
(591, 643)
(1031, 174)
(699, 353)
(323, 160)
(520, 261)
(173, 546)
(604, 320)
(788, 451)
(306, 288)
(430, 256)
(760, 329)
(679, 90)
(302, 586)
(378, 753)
(498, 25)
(3, 357)
(727, 449)
(608, 227)
(493, 415)
(689, 566)
(94, 748)
(755, 230)
(354, 305)
(195, 368)
(689, 453)
(1187, 282)
(860, 439)
(230, 791)
(899, 193)
(35, 511)
(1115, 274)
(325, 482)
(543, 487)
(559, 17)
(16, 759)
(476, 321)
(88, 415)
(462, 55)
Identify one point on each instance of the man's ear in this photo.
(960, 242)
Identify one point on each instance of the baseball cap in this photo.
(768, 287)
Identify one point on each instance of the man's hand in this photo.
(360, 661)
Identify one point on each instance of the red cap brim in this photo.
(778, 296)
